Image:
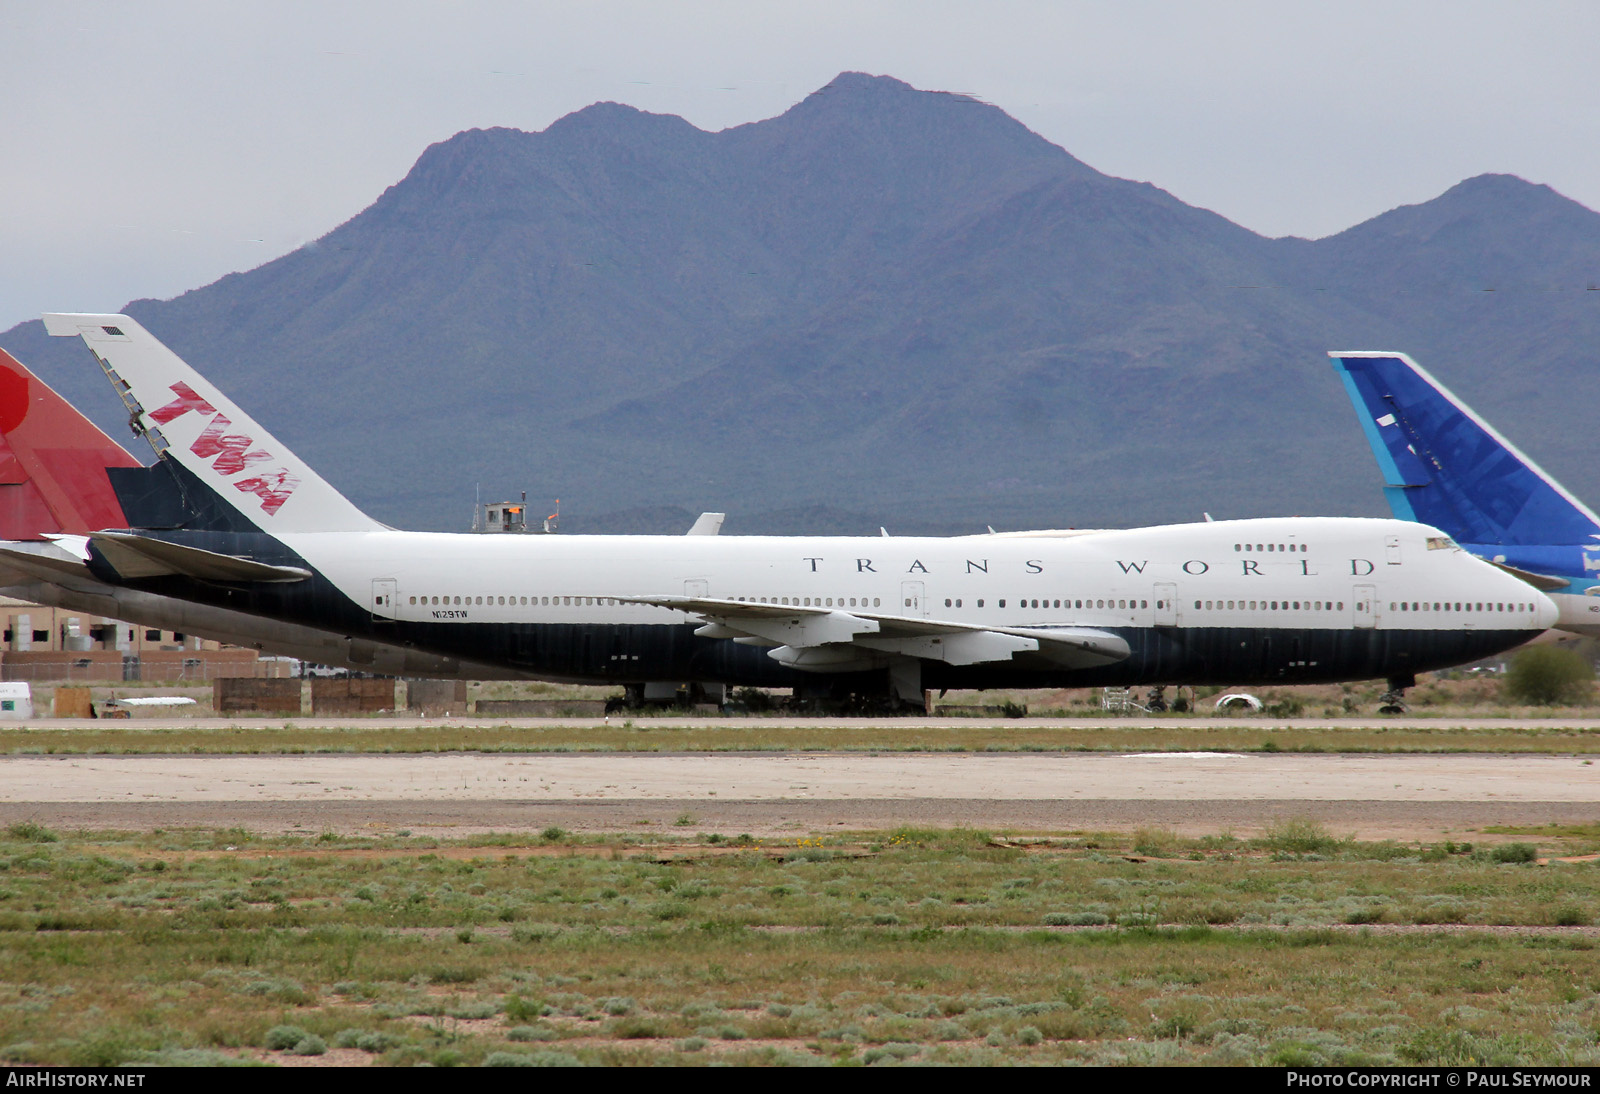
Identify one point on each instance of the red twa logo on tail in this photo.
(231, 450)
(186, 401)
(228, 449)
(273, 486)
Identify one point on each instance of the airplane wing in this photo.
(938, 640)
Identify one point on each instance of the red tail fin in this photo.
(53, 462)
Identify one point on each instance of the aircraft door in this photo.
(385, 599)
(914, 601)
(697, 587)
(1166, 594)
(1391, 550)
(1364, 606)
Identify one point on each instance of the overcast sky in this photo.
(152, 147)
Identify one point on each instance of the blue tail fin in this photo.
(1445, 466)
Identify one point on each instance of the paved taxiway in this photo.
(1374, 796)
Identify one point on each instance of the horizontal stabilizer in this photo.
(136, 557)
(47, 561)
(1545, 583)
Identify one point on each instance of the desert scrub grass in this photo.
(29, 832)
(1155, 842)
(1183, 735)
(782, 951)
(1300, 836)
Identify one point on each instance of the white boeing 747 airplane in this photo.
(229, 517)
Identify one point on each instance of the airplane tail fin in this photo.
(53, 462)
(1445, 466)
(189, 421)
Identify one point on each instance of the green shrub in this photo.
(194, 1057)
(31, 832)
(1299, 836)
(474, 1011)
(279, 989)
(376, 1041)
(1076, 919)
(1154, 842)
(1515, 852)
(1549, 676)
(282, 1038)
(537, 1059)
(754, 700)
(531, 1033)
(519, 1009)
(894, 1050)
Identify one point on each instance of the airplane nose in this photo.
(1545, 611)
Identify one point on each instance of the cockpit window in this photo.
(1442, 543)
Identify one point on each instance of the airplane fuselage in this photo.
(1255, 601)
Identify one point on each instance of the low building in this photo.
(41, 643)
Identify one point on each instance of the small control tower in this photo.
(510, 516)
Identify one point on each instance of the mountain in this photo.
(885, 306)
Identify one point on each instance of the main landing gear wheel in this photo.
(1393, 701)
